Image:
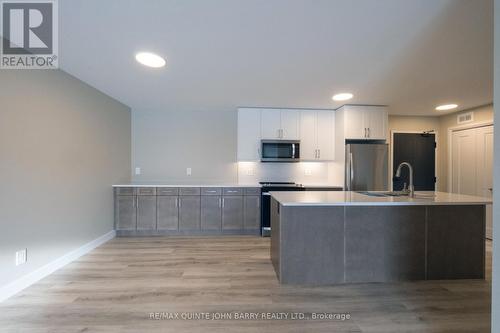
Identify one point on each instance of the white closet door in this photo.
(472, 165)
(484, 139)
(464, 162)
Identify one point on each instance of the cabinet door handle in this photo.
(282, 133)
(368, 131)
(180, 203)
(211, 191)
(137, 202)
(319, 153)
(177, 202)
(278, 133)
(222, 203)
(365, 132)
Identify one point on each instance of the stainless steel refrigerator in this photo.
(366, 167)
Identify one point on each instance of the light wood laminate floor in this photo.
(118, 285)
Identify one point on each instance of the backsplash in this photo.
(317, 173)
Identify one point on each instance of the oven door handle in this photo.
(267, 194)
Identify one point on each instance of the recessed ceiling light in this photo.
(342, 97)
(445, 107)
(150, 59)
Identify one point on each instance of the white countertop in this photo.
(157, 184)
(174, 184)
(348, 198)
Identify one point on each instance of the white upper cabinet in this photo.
(377, 123)
(314, 128)
(355, 127)
(249, 127)
(325, 130)
(308, 137)
(365, 122)
(317, 135)
(290, 124)
(280, 124)
(271, 124)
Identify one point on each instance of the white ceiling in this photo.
(410, 55)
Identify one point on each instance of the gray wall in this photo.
(495, 313)
(166, 142)
(62, 145)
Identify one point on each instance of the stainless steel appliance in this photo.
(366, 167)
(267, 187)
(280, 151)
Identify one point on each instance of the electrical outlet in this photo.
(21, 257)
(249, 172)
(188, 171)
(137, 171)
(308, 172)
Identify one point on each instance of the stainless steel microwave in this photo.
(280, 151)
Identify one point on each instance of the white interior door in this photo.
(463, 162)
(472, 165)
(485, 171)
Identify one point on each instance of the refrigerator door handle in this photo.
(351, 171)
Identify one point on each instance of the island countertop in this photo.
(351, 198)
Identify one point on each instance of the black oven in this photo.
(280, 151)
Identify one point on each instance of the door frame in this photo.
(391, 155)
(459, 128)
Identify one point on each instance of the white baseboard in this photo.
(30, 278)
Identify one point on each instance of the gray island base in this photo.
(318, 239)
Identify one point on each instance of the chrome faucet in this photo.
(411, 190)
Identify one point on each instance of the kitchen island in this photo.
(320, 238)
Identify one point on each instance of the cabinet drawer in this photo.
(232, 191)
(146, 191)
(125, 190)
(211, 191)
(189, 191)
(167, 191)
(252, 191)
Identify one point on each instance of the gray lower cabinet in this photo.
(146, 212)
(125, 212)
(189, 212)
(170, 210)
(251, 220)
(211, 212)
(232, 212)
(167, 213)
